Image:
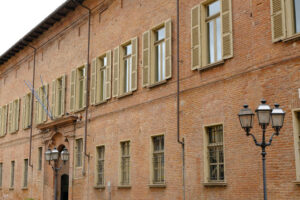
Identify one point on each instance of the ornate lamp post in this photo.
(54, 155)
(264, 115)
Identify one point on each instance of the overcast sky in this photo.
(18, 17)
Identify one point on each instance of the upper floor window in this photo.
(42, 105)
(26, 110)
(296, 5)
(285, 18)
(213, 24)
(58, 96)
(211, 33)
(101, 79)
(13, 116)
(78, 89)
(157, 54)
(125, 68)
(3, 120)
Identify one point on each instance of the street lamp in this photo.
(54, 155)
(264, 114)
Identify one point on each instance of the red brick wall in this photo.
(259, 69)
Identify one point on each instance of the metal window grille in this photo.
(125, 163)
(100, 165)
(158, 159)
(215, 153)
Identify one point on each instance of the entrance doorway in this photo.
(64, 187)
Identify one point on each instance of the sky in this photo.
(18, 17)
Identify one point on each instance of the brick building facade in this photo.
(130, 133)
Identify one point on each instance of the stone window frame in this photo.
(148, 55)
(282, 21)
(96, 185)
(152, 183)
(199, 47)
(208, 182)
(121, 184)
(55, 101)
(78, 154)
(296, 133)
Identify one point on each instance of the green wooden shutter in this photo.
(63, 94)
(134, 57)
(45, 115)
(4, 119)
(24, 109)
(73, 90)
(108, 76)
(29, 108)
(227, 29)
(93, 81)
(17, 114)
(53, 100)
(146, 59)
(116, 72)
(278, 20)
(168, 59)
(1, 121)
(10, 119)
(84, 85)
(36, 112)
(196, 38)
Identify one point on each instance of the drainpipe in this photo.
(87, 85)
(32, 103)
(178, 104)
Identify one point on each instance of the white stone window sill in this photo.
(211, 65)
(291, 38)
(215, 184)
(157, 83)
(124, 95)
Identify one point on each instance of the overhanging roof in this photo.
(42, 27)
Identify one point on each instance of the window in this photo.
(26, 110)
(25, 175)
(13, 116)
(125, 163)
(101, 79)
(125, 68)
(211, 33)
(78, 151)
(158, 160)
(1, 174)
(157, 54)
(296, 127)
(215, 155)
(78, 89)
(285, 18)
(3, 120)
(40, 112)
(213, 23)
(100, 166)
(40, 157)
(58, 97)
(296, 5)
(12, 174)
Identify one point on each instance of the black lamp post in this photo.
(53, 155)
(264, 115)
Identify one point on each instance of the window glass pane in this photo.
(219, 45)
(160, 34)
(297, 15)
(158, 62)
(128, 50)
(102, 84)
(104, 61)
(213, 172)
(213, 8)
(163, 70)
(211, 41)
